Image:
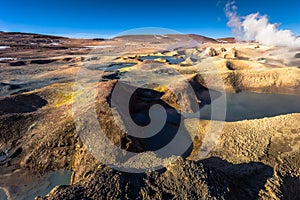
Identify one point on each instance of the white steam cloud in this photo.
(257, 27)
(234, 20)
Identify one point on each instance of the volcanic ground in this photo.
(227, 118)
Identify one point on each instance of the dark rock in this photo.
(229, 65)
(17, 152)
(297, 55)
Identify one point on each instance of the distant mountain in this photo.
(152, 38)
(19, 41)
(38, 36)
(174, 37)
(201, 38)
(226, 40)
(32, 35)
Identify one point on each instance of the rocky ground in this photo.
(40, 130)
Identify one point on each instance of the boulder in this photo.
(231, 54)
(211, 52)
(188, 62)
(223, 49)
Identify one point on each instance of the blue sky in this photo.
(105, 18)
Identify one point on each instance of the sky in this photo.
(95, 18)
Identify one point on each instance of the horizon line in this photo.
(101, 36)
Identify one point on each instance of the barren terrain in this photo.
(42, 106)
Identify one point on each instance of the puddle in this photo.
(3, 195)
(3, 156)
(170, 59)
(54, 179)
(112, 67)
(19, 86)
(163, 134)
(249, 105)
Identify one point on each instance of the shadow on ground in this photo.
(290, 188)
(21, 104)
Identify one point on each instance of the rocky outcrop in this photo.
(227, 54)
(262, 80)
(189, 95)
(241, 166)
(272, 141)
(212, 178)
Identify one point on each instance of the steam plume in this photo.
(234, 20)
(257, 27)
